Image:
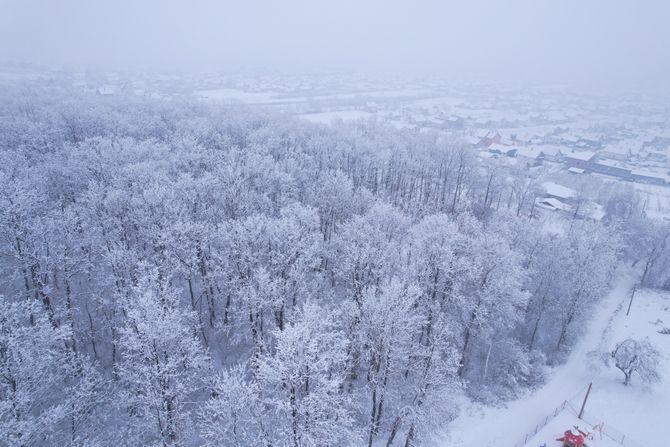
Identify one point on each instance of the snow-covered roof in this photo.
(570, 138)
(652, 174)
(556, 190)
(553, 204)
(496, 147)
(581, 155)
(472, 140)
(620, 148)
(528, 151)
(550, 150)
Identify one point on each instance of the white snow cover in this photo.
(557, 190)
(328, 117)
(553, 204)
(582, 155)
(639, 412)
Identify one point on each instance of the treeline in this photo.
(179, 274)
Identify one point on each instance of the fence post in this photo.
(581, 411)
(632, 295)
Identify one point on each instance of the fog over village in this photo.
(373, 223)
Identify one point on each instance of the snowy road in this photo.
(480, 426)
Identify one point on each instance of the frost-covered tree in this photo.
(593, 252)
(162, 366)
(636, 357)
(48, 394)
(234, 414)
(388, 325)
(491, 299)
(309, 285)
(32, 370)
(548, 284)
(302, 382)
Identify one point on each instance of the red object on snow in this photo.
(571, 439)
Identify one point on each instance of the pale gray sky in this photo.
(626, 41)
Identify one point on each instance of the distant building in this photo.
(500, 149)
(530, 155)
(657, 155)
(648, 177)
(611, 170)
(490, 138)
(581, 159)
(552, 204)
(620, 152)
(454, 122)
(588, 143)
(551, 153)
(570, 140)
(472, 141)
(658, 142)
(559, 192)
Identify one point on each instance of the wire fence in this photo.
(599, 429)
(540, 425)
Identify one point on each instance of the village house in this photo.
(499, 149)
(617, 151)
(609, 168)
(580, 159)
(570, 140)
(552, 204)
(656, 155)
(529, 155)
(650, 177)
(491, 137)
(559, 192)
(588, 143)
(551, 153)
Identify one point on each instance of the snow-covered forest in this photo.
(184, 273)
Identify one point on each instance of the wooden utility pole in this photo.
(630, 303)
(581, 410)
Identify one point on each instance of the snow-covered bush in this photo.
(514, 369)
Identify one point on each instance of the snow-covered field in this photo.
(328, 117)
(263, 97)
(638, 414)
(235, 95)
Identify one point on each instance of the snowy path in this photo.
(480, 426)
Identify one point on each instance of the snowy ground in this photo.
(563, 421)
(657, 199)
(328, 117)
(639, 412)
